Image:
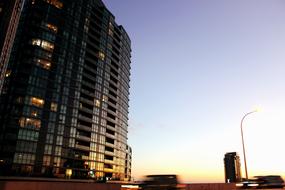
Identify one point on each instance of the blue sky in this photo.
(197, 67)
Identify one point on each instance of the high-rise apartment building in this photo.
(64, 102)
(232, 167)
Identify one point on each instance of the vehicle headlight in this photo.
(253, 185)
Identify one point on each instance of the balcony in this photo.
(110, 127)
(109, 153)
(85, 157)
(109, 161)
(110, 145)
(83, 138)
(108, 170)
(84, 128)
(86, 110)
(82, 147)
(86, 100)
(110, 136)
(84, 118)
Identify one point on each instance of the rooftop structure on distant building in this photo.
(65, 96)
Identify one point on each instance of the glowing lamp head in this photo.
(258, 109)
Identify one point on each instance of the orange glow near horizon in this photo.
(202, 160)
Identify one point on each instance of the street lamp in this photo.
(244, 157)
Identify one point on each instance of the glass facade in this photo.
(64, 111)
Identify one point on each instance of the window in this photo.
(37, 102)
(24, 146)
(43, 44)
(101, 55)
(53, 107)
(105, 98)
(93, 146)
(97, 103)
(55, 3)
(110, 32)
(46, 160)
(24, 158)
(8, 73)
(42, 63)
(57, 161)
(59, 140)
(100, 166)
(49, 138)
(92, 156)
(29, 122)
(57, 151)
(43, 54)
(95, 119)
(101, 148)
(30, 135)
(34, 113)
(48, 149)
(20, 100)
(51, 27)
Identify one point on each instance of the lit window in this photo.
(43, 44)
(105, 98)
(111, 25)
(36, 42)
(110, 32)
(8, 73)
(68, 172)
(101, 55)
(46, 160)
(51, 27)
(22, 122)
(34, 113)
(43, 63)
(37, 102)
(97, 103)
(29, 122)
(53, 107)
(55, 3)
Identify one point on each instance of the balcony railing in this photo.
(82, 147)
(83, 138)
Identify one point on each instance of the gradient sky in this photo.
(197, 67)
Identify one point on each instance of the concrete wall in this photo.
(211, 186)
(90, 185)
(42, 185)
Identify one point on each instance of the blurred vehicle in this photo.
(270, 181)
(262, 182)
(161, 182)
(248, 184)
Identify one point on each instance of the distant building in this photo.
(65, 96)
(232, 167)
(128, 163)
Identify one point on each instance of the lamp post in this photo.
(244, 157)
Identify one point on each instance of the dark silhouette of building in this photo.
(232, 167)
(64, 102)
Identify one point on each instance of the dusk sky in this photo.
(197, 67)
